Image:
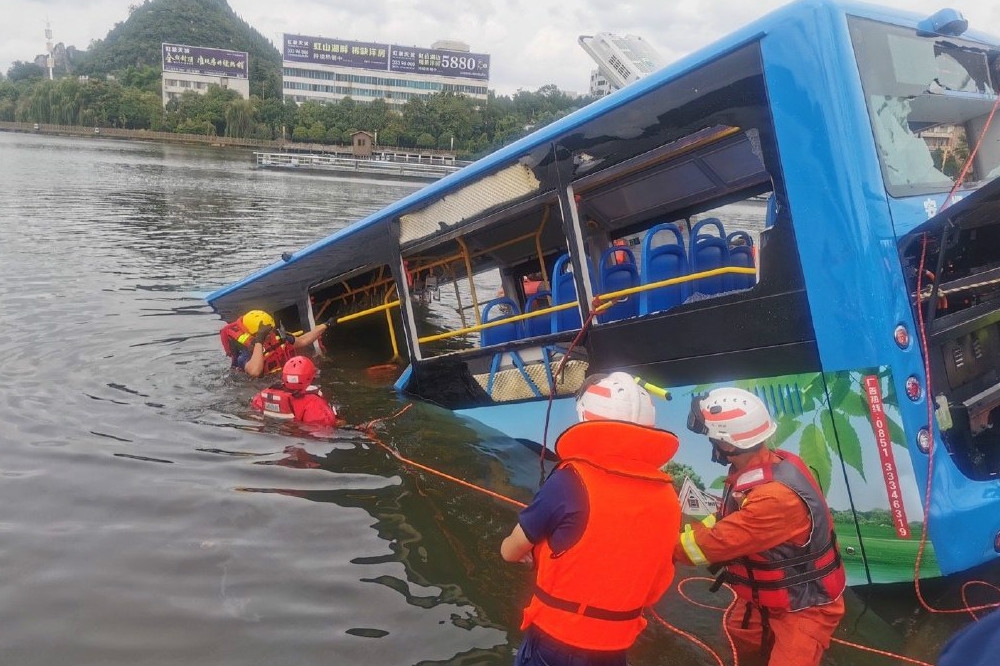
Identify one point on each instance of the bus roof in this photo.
(284, 282)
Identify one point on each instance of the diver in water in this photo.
(295, 398)
(254, 345)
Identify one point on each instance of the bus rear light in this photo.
(924, 440)
(913, 388)
(902, 337)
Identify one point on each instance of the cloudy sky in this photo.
(531, 42)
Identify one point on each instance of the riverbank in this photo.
(204, 140)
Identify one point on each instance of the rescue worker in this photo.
(773, 535)
(295, 397)
(598, 531)
(254, 346)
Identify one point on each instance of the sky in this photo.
(531, 43)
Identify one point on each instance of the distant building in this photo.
(195, 68)
(620, 60)
(696, 502)
(362, 143)
(327, 70)
(599, 85)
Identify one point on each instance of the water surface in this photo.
(149, 519)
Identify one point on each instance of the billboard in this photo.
(437, 61)
(322, 51)
(205, 61)
(386, 57)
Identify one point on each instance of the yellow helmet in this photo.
(254, 319)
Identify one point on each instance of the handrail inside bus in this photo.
(610, 296)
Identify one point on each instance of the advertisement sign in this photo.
(386, 57)
(439, 62)
(205, 61)
(323, 51)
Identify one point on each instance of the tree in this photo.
(21, 71)
(425, 140)
(678, 471)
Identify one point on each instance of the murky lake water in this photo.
(148, 519)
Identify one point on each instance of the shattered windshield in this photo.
(928, 98)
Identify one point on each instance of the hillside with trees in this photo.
(135, 44)
(116, 83)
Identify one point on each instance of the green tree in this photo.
(20, 71)
(240, 118)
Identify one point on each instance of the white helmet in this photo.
(733, 416)
(615, 397)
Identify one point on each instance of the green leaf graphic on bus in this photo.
(823, 413)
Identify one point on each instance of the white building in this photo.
(195, 68)
(696, 502)
(599, 85)
(620, 60)
(327, 70)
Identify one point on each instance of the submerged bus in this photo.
(805, 209)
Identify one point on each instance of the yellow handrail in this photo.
(610, 296)
(365, 313)
(392, 331)
(497, 322)
(613, 295)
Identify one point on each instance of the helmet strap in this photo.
(720, 456)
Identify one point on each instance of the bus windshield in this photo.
(928, 98)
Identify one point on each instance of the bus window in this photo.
(928, 98)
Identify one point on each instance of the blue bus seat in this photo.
(741, 255)
(542, 324)
(499, 308)
(564, 291)
(708, 252)
(663, 262)
(616, 276)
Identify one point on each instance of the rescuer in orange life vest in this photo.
(600, 532)
(773, 535)
(254, 346)
(295, 397)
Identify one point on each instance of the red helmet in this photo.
(298, 373)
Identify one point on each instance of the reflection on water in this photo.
(149, 519)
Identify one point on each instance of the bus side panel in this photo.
(846, 437)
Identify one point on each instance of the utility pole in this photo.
(50, 59)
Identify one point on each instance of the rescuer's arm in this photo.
(516, 547)
(255, 366)
(770, 515)
(312, 336)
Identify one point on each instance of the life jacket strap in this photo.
(786, 582)
(587, 611)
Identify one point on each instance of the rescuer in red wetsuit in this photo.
(598, 531)
(773, 535)
(254, 346)
(296, 398)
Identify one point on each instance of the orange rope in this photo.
(369, 429)
(884, 653)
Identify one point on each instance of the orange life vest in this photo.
(787, 577)
(235, 337)
(591, 596)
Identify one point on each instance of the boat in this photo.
(409, 168)
(777, 212)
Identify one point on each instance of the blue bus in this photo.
(806, 209)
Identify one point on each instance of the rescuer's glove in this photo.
(262, 333)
